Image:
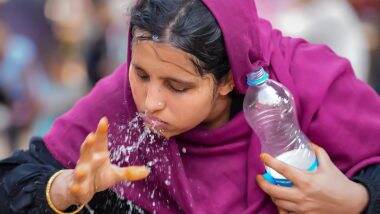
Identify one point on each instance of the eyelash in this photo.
(141, 76)
(145, 78)
(176, 90)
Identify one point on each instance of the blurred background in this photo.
(52, 52)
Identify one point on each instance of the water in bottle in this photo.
(270, 111)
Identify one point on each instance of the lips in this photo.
(155, 122)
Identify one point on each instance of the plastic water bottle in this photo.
(270, 111)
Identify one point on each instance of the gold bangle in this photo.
(51, 205)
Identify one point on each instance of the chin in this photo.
(167, 135)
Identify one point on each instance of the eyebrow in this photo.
(179, 81)
(167, 78)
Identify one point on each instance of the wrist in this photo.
(360, 197)
(59, 192)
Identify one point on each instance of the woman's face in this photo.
(174, 97)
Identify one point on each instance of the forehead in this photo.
(147, 50)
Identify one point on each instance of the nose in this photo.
(154, 100)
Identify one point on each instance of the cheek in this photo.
(138, 91)
(190, 110)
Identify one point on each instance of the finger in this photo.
(86, 147)
(285, 206)
(81, 172)
(90, 139)
(290, 172)
(101, 134)
(275, 191)
(279, 210)
(98, 159)
(79, 191)
(132, 173)
(322, 156)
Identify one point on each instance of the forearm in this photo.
(23, 178)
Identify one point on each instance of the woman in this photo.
(186, 72)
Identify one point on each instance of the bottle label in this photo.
(285, 182)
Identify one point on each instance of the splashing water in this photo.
(136, 144)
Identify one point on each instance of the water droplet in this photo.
(184, 150)
(152, 195)
(135, 144)
(167, 182)
(149, 164)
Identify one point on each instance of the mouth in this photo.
(155, 123)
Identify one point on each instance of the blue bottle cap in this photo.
(257, 77)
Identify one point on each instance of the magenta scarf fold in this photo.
(213, 171)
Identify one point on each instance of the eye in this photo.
(177, 87)
(141, 74)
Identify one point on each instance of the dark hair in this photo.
(187, 25)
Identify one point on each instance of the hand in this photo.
(93, 173)
(326, 190)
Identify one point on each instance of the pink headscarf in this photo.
(213, 171)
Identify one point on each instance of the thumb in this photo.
(322, 156)
(132, 173)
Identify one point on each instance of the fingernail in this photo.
(264, 157)
(103, 124)
(257, 177)
(104, 120)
